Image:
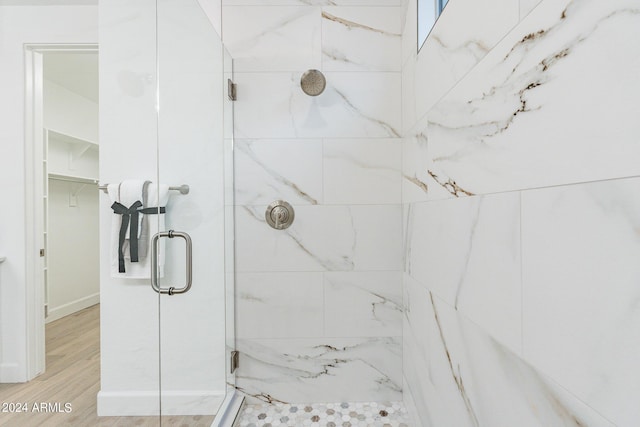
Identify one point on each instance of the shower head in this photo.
(313, 82)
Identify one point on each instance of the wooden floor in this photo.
(73, 376)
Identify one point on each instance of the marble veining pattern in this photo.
(527, 6)
(483, 134)
(322, 238)
(264, 174)
(358, 39)
(343, 414)
(359, 304)
(548, 325)
(353, 105)
(418, 183)
(458, 41)
(380, 127)
(585, 286)
(272, 38)
(467, 251)
(318, 369)
(361, 171)
(461, 376)
(279, 305)
(336, 157)
(313, 2)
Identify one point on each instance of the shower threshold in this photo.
(343, 414)
(229, 410)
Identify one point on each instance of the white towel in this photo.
(127, 193)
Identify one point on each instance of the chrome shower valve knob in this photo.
(279, 215)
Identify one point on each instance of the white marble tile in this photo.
(273, 38)
(279, 305)
(364, 2)
(580, 274)
(532, 113)
(264, 104)
(409, 96)
(458, 41)
(268, 170)
(406, 237)
(361, 38)
(363, 304)
(466, 377)
(321, 369)
(419, 182)
(467, 251)
(417, 334)
(261, 248)
(362, 105)
(409, 31)
(410, 405)
(312, 2)
(527, 6)
(362, 171)
(416, 309)
(415, 182)
(322, 238)
(377, 239)
(354, 105)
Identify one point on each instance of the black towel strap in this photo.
(130, 214)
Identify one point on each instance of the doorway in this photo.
(62, 128)
(71, 227)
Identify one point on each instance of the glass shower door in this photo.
(194, 269)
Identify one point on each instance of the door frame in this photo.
(34, 190)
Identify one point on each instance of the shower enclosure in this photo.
(168, 341)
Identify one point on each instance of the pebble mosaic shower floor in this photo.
(360, 414)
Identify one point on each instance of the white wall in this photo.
(69, 113)
(519, 300)
(190, 140)
(19, 25)
(73, 248)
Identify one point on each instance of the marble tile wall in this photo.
(319, 305)
(520, 222)
(581, 293)
(458, 375)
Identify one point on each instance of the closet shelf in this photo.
(77, 146)
(65, 137)
(73, 178)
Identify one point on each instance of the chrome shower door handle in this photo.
(154, 262)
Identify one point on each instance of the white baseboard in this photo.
(70, 308)
(11, 373)
(145, 403)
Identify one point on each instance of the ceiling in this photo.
(75, 71)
